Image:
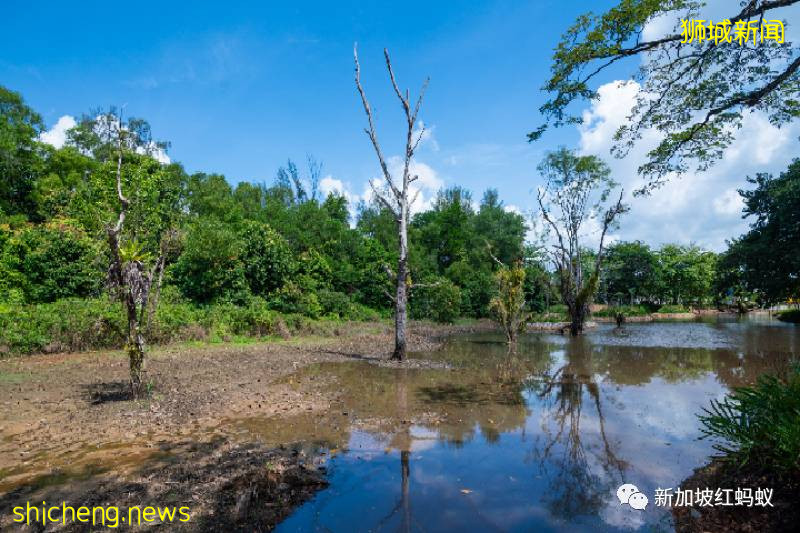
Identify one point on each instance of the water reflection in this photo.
(539, 439)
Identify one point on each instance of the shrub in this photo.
(509, 304)
(792, 315)
(50, 262)
(210, 267)
(673, 309)
(64, 325)
(437, 299)
(759, 424)
(266, 258)
(292, 299)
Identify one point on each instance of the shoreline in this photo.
(73, 434)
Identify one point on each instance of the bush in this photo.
(49, 262)
(759, 424)
(673, 309)
(292, 299)
(210, 268)
(792, 315)
(266, 258)
(60, 326)
(437, 299)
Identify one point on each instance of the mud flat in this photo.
(70, 432)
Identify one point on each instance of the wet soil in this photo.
(782, 515)
(69, 430)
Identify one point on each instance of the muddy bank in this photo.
(70, 432)
(782, 516)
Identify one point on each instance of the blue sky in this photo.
(239, 87)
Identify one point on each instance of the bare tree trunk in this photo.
(395, 197)
(401, 297)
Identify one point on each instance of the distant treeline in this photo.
(297, 252)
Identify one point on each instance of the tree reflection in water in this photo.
(575, 487)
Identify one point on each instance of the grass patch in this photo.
(626, 310)
(12, 377)
(673, 309)
(759, 424)
(78, 325)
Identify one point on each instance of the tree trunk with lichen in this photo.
(136, 351)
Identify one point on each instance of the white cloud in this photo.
(57, 135)
(424, 188)
(728, 203)
(329, 184)
(700, 207)
(155, 152)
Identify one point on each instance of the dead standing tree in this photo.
(395, 195)
(130, 279)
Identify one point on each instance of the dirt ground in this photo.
(70, 432)
(782, 516)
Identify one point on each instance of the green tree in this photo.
(767, 258)
(685, 274)
(437, 299)
(54, 261)
(577, 190)
(210, 268)
(630, 272)
(266, 258)
(444, 230)
(20, 126)
(695, 94)
(142, 237)
(504, 231)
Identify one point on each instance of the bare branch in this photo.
(419, 99)
(417, 141)
(608, 219)
(414, 198)
(371, 133)
(549, 220)
(489, 249)
(403, 100)
(382, 199)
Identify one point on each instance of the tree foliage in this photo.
(577, 190)
(766, 260)
(695, 94)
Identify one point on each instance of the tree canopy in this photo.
(694, 93)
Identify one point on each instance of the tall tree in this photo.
(19, 128)
(577, 190)
(695, 91)
(767, 258)
(396, 195)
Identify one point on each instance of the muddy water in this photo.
(536, 441)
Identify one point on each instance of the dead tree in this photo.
(130, 279)
(395, 195)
